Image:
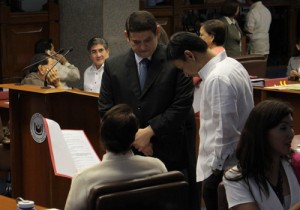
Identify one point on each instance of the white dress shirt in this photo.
(226, 100)
(257, 24)
(237, 192)
(92, 79)
(112, 168)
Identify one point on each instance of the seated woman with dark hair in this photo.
(263, 177)
(37, 73)
(117, 133)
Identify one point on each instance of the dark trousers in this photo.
(194, 193)
(210, 191)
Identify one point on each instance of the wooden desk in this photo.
(291, 96)
(32, 173)
(10, 204)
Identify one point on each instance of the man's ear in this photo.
(126, 35)
(212, 38)
(189, 55)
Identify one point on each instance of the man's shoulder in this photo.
(120, 56)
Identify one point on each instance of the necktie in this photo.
(143, 71)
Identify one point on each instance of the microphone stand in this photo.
(46, 76)
(58, 52)
(22, 72)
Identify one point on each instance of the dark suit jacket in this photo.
(165, 103)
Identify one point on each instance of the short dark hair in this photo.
(140, 21)
(217, 29)
(42, 45)
(97, 40)
(229, 8)
(118, 128)
(182, 41)
(43, 57)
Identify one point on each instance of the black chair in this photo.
(167, 191)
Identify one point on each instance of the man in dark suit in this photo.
(163, 104)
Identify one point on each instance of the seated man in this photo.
(99, 52)
(118, 128)
(65, 71)
(39, 72)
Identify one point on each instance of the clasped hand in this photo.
(142, 141)
(53, 78)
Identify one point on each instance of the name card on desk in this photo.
(70, 150)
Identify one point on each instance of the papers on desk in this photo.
(286, 87)
(70, 150)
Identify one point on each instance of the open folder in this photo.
(70, 150)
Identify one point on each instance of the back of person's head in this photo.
(229, 8)
(44, 58)
(42, 45)
(182, 41)
(217, 29)
(118, 128)
(97, 40)
(254, 150)
(140, 21)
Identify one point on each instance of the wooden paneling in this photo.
(284, 29)
(19, 32)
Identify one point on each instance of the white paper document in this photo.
(70, 150)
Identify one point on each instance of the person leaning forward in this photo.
(225, 102)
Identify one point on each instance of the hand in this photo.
(57, 57)
(148, 150)
(61, 59)
(142, 138)
(52, 78)
(294, 73)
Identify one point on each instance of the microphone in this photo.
(46, 76)
(58, 52)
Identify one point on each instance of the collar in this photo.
(210, 65)
(112, 156)
(230, 21)
(94, 68)
(138, 58)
